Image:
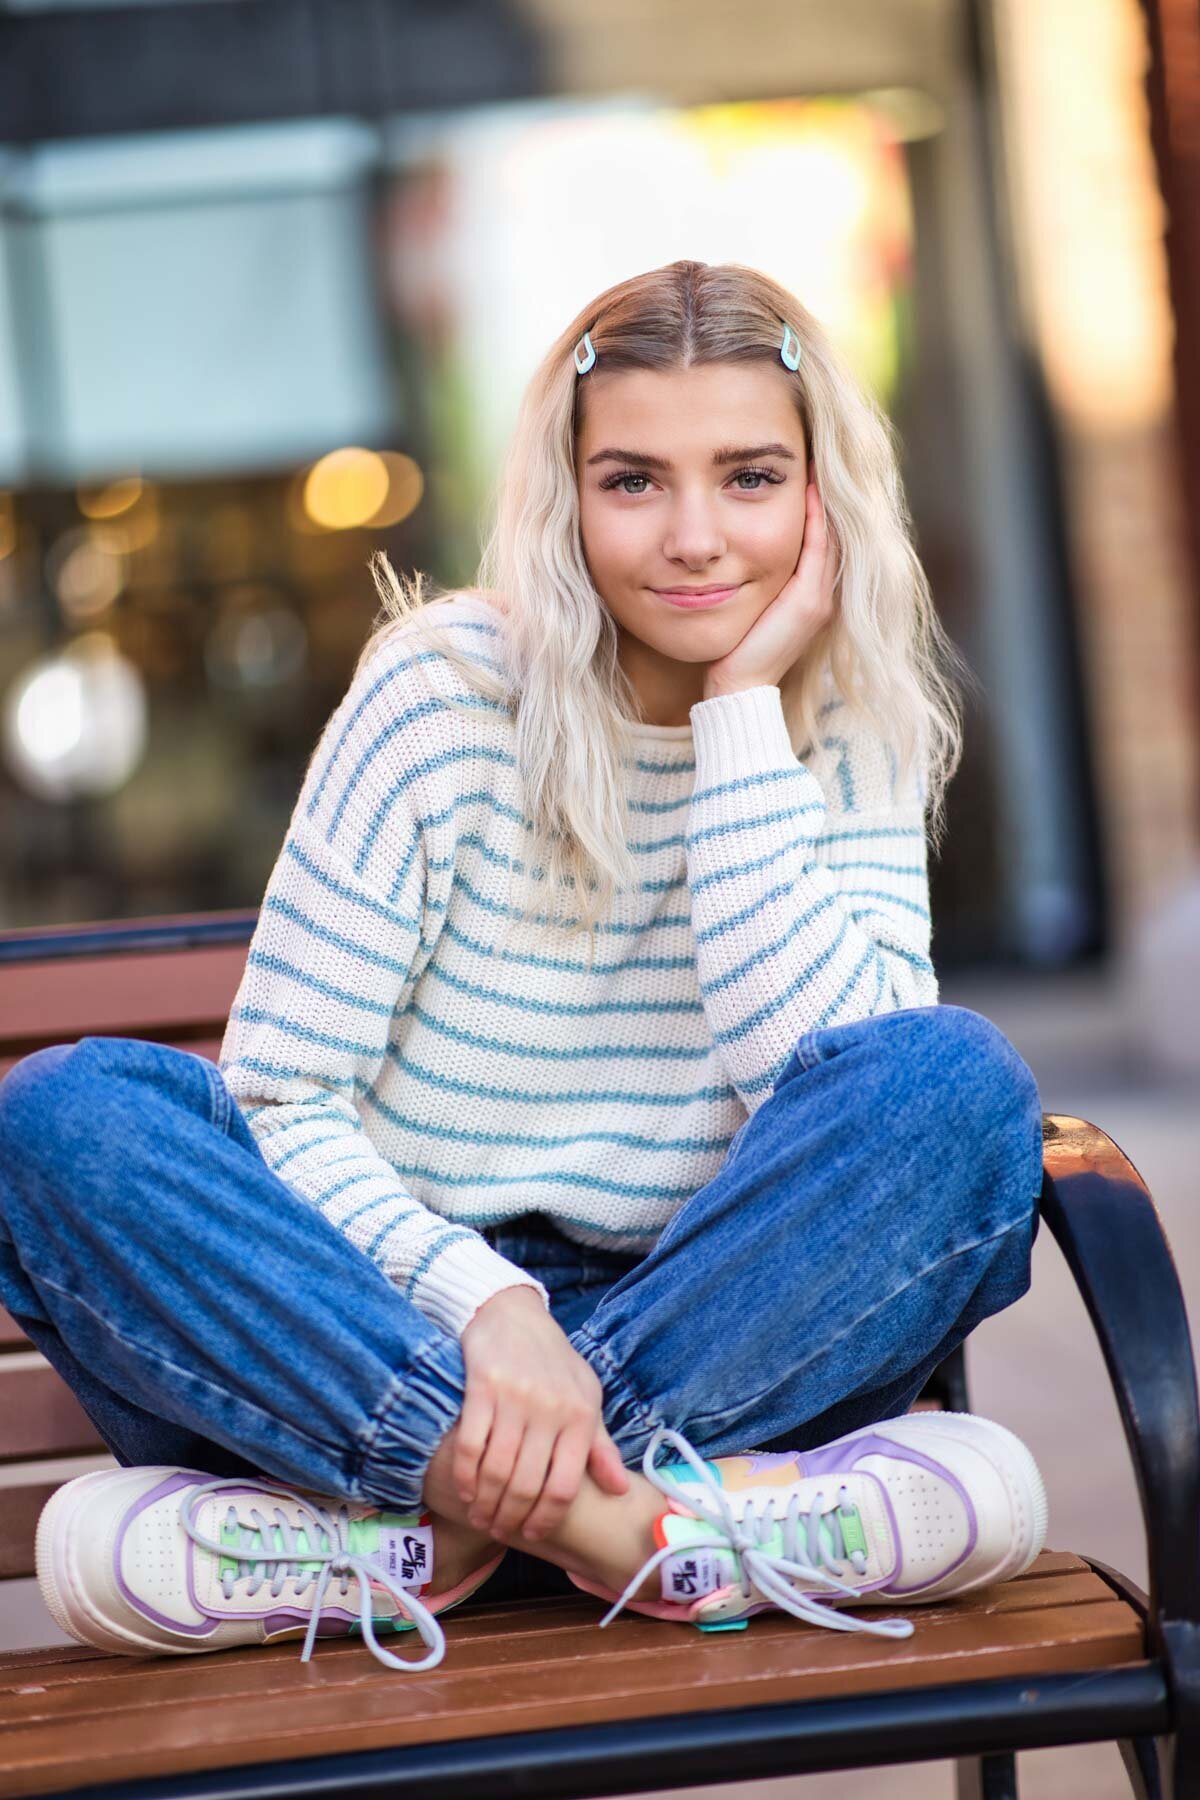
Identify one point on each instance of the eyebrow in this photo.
(727, 454)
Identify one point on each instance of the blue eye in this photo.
(623, 475)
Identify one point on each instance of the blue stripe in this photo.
(565, 965)
(396, 727)
(767, 1011)
(257, 1015)
(286, 910)
(874, 831)
(887, 868)
(759, 862)
(547, 1053)
(459, 1134)
(744, 784)
(782, 889)
(442, 1242)
(447, 1084)
(922, 912)
(359, 1212)
(606, 927)
(850, 982)
(727, 827)
(276, 965)
(845, 779)
(355, 895)
(348, 1181)
(427, 766)
(257, 1066)
(564, 1009)
(734, 976)
(331, 1137)
(377, 687)
(444, 1180)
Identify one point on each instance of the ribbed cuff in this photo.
(424, 1401)
(734, 732)
(462, 1277)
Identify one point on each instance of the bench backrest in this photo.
(170, 982)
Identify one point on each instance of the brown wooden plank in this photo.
(40, 1414)
(10, 1332)
(499, 1635)
(515, 1668)
(529, 1619)
(143, 994)
(25, 1488)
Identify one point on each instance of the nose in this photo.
(695, 536)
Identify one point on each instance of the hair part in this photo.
(885, 648)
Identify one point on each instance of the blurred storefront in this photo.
(237, 357)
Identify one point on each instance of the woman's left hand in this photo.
(781, 634)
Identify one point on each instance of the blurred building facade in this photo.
(238, 352)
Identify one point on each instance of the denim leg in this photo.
(878, 1204)
(191, 1298)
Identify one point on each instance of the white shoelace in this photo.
(339, 1561)
(747, 1537)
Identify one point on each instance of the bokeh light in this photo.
(110, 501)
(74, 725)
(346, 488)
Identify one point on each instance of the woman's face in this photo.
(688, 478)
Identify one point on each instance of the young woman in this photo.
(586, 1093)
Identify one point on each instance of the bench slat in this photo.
(41, 1415)
(25, 1488)
(10, 1331)
(520, 1667)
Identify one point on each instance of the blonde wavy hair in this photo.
(890, 658)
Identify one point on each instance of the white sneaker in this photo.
(154, 1560)
(915, 1509)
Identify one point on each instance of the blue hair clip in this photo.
(791, 359)
(589, 359)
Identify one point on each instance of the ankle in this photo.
(604, 1537)
(458, 1550)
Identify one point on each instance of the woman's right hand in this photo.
(530, 1424)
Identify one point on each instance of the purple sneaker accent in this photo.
(174, 1484)
(831, 1458)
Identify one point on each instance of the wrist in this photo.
(519, 1294)
(720, 691)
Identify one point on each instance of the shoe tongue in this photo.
(397, 1542)
(699, 1565)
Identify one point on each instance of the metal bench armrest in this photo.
(1108, 1229)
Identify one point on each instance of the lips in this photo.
(690, 598)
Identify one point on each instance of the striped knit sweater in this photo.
(417, 1082)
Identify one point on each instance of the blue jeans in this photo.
(878, 1204)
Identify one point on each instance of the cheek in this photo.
(611, 539)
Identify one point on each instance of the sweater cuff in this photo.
(746, 730)
(467, 1273)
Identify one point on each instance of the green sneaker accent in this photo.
(363, 1536)
(726, 1625)
(682, 1471)
(853, 1535)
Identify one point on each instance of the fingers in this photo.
(504, 1442)
(562, 1480)
(815, 536)
(474, 1424)
(605, 1464)
(525, 1483)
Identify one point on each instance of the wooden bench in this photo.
(532, 1698)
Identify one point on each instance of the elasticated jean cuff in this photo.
(629, 1421)
(420, 1407)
